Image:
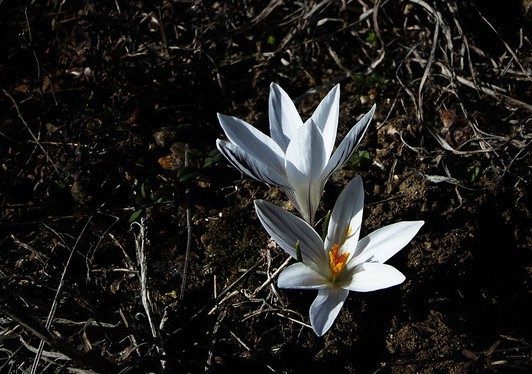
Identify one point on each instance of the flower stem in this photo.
(325, 225)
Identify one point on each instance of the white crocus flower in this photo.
(298, 157)
(342, 263)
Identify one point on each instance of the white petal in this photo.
(252, 141)
(284, 118)
(326, 117)
(372, 276)
(286, 229)
(306, 199)
(325, 308)
(300, 275)
(347, 213)
(305, 155)
(348, 145)
(300, 203)
(251, 166)
(385, 242)
(305, 159)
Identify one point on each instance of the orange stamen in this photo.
(336, 262)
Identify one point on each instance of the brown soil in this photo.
(109, 171)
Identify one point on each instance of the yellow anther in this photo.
(337, 262)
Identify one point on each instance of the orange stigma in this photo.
(336, 262)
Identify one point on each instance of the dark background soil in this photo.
(107, 131)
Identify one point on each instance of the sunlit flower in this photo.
(298, 157)
(342, 263)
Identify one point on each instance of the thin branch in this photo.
(430, 60)
(53, 309)
(10, 307)
(140, 243)
(273, 276)
(189, 232)
(19, 114)
(31, 42)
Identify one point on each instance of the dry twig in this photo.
(140, 243)
(56, 298)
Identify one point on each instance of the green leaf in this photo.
(325, 227)
(360, 160)
(187, 173)
(372, 38)
(371, 80)
(61, 184)
(213, 157)
(473, 172)
(207, 162)
(143, 190)
(135, 215)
